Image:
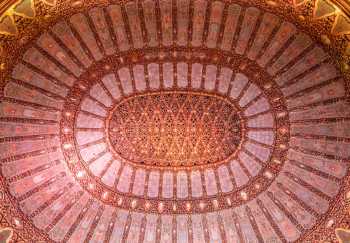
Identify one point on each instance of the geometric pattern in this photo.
(96, 116)
(73, 110)
(173, 129)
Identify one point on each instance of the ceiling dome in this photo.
(183, 121)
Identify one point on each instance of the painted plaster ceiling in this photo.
(174, 121)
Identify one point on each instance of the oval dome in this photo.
(174, 121)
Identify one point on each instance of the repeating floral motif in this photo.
(63, 76)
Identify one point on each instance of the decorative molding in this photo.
(344, 5)
(324, 20)
(5, 5)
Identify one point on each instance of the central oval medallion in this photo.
(175, 129)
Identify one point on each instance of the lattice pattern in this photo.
(63, 181)
(175, 129)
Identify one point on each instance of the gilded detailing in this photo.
(344, 5)
(175, 129)
(99, 98)
(5, 5)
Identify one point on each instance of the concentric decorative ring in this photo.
(251, 167)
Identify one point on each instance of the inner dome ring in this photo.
(259, 99)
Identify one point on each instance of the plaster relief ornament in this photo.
(174, 121)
